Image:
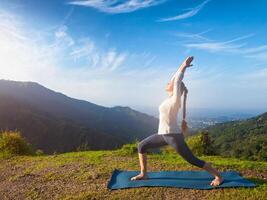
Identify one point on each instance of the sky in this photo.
(114, 52)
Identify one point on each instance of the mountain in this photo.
(55, 122)
(242, 139)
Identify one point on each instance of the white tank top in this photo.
(169, 108)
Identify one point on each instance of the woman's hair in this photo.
(184, 126)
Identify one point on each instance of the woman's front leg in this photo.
(153, 141)
(143, 167)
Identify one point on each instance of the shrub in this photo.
(12, 143)
(262, 155)
(201, 143)
(39, 152)
(167, 149)
(83, 147)
(129, 149)
(206, 143)
(195, 144)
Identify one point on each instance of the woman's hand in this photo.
(187, 62)
(184, 128)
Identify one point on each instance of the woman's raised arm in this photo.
(178, 77)
(182, 68)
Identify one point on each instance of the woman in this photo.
(168, 130)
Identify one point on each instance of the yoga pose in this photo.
(168, 130)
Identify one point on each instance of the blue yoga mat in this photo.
(179, 179)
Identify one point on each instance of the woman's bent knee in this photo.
(141, 148)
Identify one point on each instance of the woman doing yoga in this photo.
(168, 130)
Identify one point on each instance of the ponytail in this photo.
(184, 126)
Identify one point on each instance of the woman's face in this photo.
(169, 87)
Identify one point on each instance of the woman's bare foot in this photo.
(218, 178)
(216, 181)
(139, 177)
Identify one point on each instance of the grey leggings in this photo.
(176, 140)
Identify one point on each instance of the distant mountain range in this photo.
(54, 122)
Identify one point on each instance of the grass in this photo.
(84, 175)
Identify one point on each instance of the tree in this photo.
(201, 143)
(206, 143)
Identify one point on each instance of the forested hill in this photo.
(244, 138)
(55, 122)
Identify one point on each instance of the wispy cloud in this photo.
(231, 46)
(260, 55)
(9, 24)
(61, 36)
(82, 52)
(192, 12)
(193, 36)
(112, 59)
(117, 6)
(215, 46)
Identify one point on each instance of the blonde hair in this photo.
(184, 126)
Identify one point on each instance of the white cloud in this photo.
(193, 36)
(86, 51)
(62, 36)
(19, 54)
(259, 56)
(218, 89)
(117, 6)
(112, 59)
(214, 46)
(219, 46)
(61, 32)
(256, 52)
(192, 12)
(83, 50)
(255, 49)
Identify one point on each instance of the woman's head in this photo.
(169, 88)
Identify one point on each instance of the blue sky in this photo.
(114, 52)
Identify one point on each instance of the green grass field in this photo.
(84, 175)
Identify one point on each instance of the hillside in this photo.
(84, 175)
(242, 139)
(55, 122)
